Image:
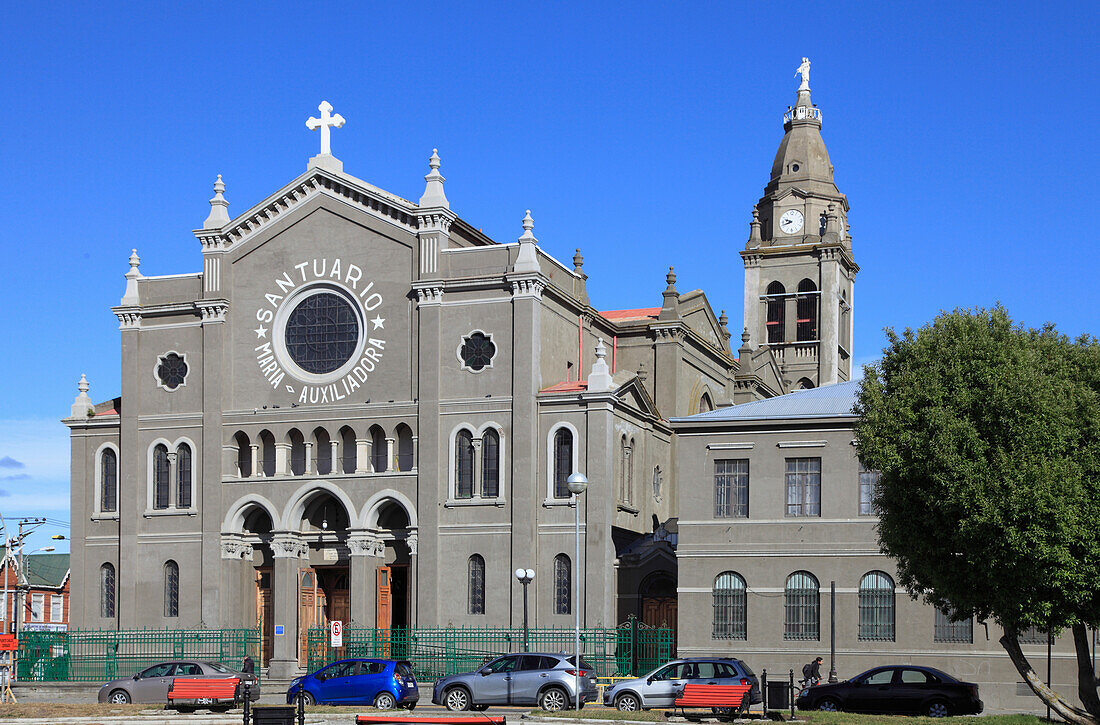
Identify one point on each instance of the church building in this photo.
(364, 409)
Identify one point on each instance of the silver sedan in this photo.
(152, 683)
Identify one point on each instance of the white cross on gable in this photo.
(325, 123)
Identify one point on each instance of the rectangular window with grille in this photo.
(947, 631)
(731, 488)
(868, 484)
(1033, 635)
(803, 486)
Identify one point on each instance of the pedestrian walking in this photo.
(248, 666)
(811, 672)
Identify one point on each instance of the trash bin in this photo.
(779, 695)
(273, 715)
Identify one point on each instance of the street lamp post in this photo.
(525, 577)
(577, 484)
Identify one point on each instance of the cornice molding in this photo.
(428, 294)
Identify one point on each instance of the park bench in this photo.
(726, 699)
(203, 690)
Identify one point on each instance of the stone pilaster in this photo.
(288, 549)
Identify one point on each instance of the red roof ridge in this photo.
(568, 386)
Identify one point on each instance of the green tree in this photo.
(988, 439)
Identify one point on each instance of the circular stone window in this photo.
(476, 351)
(171, 370)
(319, 333)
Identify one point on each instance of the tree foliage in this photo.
(988, 439)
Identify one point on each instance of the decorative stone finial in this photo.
(326, 123)
(82, 406)
(131, 295)
(433, 189)
(722, 319)
(670, 278)
(599, 380)
(527, 261)
(670, 308)
(578, 262)
(219, 208)
(754, 229)
(832, 225)
(642, 372)
(745, 336)
(744, 354)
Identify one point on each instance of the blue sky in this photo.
(642, 133)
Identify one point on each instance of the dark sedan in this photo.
(896, 689)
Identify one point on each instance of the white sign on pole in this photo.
(337, 631)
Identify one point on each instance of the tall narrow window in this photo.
(868, 484)
(464, 464)
(629, 472)
(490, 464)
(183, 476)
(731, 488)
(876, 607)
(171, 589)
(476, 577)
(776, 309)
(108, 481)
(160, 477)
(949, 630)
(730, 611)
(803, 486)
(563, 585)
(563, 461)
(802, 607)
(107, 591)
(807, 311)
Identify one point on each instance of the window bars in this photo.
(730, 607)
(477, 584)
(464, 464)
(107, 591)
(160, 477)
(563, 461)
(803, 486)
(108, 481)
(802, 607)
(731, 488)
(947, 630)
(183, 476)
(171, 589)
(563, 585)
(876, 607)
(490, 464)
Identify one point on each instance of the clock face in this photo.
(791, 221)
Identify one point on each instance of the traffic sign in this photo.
(8, 642)
(336, 628)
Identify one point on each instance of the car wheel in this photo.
(456, 699)
(627, 702)
(828, 704)
(937, 708)
(119, 697)
(553, 699)
(385, 701)
(307, 699)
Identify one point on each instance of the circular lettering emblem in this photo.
(322, 333)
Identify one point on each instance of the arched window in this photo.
(348, 461)
(705, 403)
(730, 607)
(183, 476)
(802, 605)
(563, 585)
(108, 481)
(476, 578)
(322, 451)
(624, 461)
(804, 384)
(776, 309)
(490, 464)
(171, 589)
(297, 452)
(563, 461)
(629, 493)
(160, 477)
(406, 459)
(107, 591)
(244, 455)
(379, 450)
(464, 464)
(876, 607)
(807, 311)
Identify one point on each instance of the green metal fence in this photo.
(102, 655)
(631, 649)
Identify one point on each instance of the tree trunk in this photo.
(1063, 709)
(1086, 678)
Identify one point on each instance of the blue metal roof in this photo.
(828, 401)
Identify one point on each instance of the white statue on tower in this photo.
(804, 71)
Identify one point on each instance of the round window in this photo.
(794, 167)
(322, 333)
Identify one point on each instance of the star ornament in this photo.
(261, 331)
(377, 322)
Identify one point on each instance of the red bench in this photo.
(205, 690)
(733, 697)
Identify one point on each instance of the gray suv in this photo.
(660, 687)
(532, 678)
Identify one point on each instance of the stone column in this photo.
(362, 455)
(361, 580)
(173, 479)
(334, 456)
(476, 485)
(257, 468)
(416, 453)
(282, 459)
(391, 462)
(288, 548)
(309, 457)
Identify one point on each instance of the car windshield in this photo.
(744, 666)
(584, 664)
(404, 669)
(218, 667)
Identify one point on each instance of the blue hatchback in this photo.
(386, 684)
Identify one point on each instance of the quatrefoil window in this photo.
(477, 351)
(171, 370)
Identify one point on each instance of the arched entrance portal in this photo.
(323, 591)
(393, 576)
(658, 599)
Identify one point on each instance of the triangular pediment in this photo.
(696, 311)
(633, 394)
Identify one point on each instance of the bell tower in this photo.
(799, 268)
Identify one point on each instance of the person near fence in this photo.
(248, 666)
(811, 672)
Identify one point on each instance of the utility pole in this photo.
(21, 584)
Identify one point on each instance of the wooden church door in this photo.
(384, 608)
